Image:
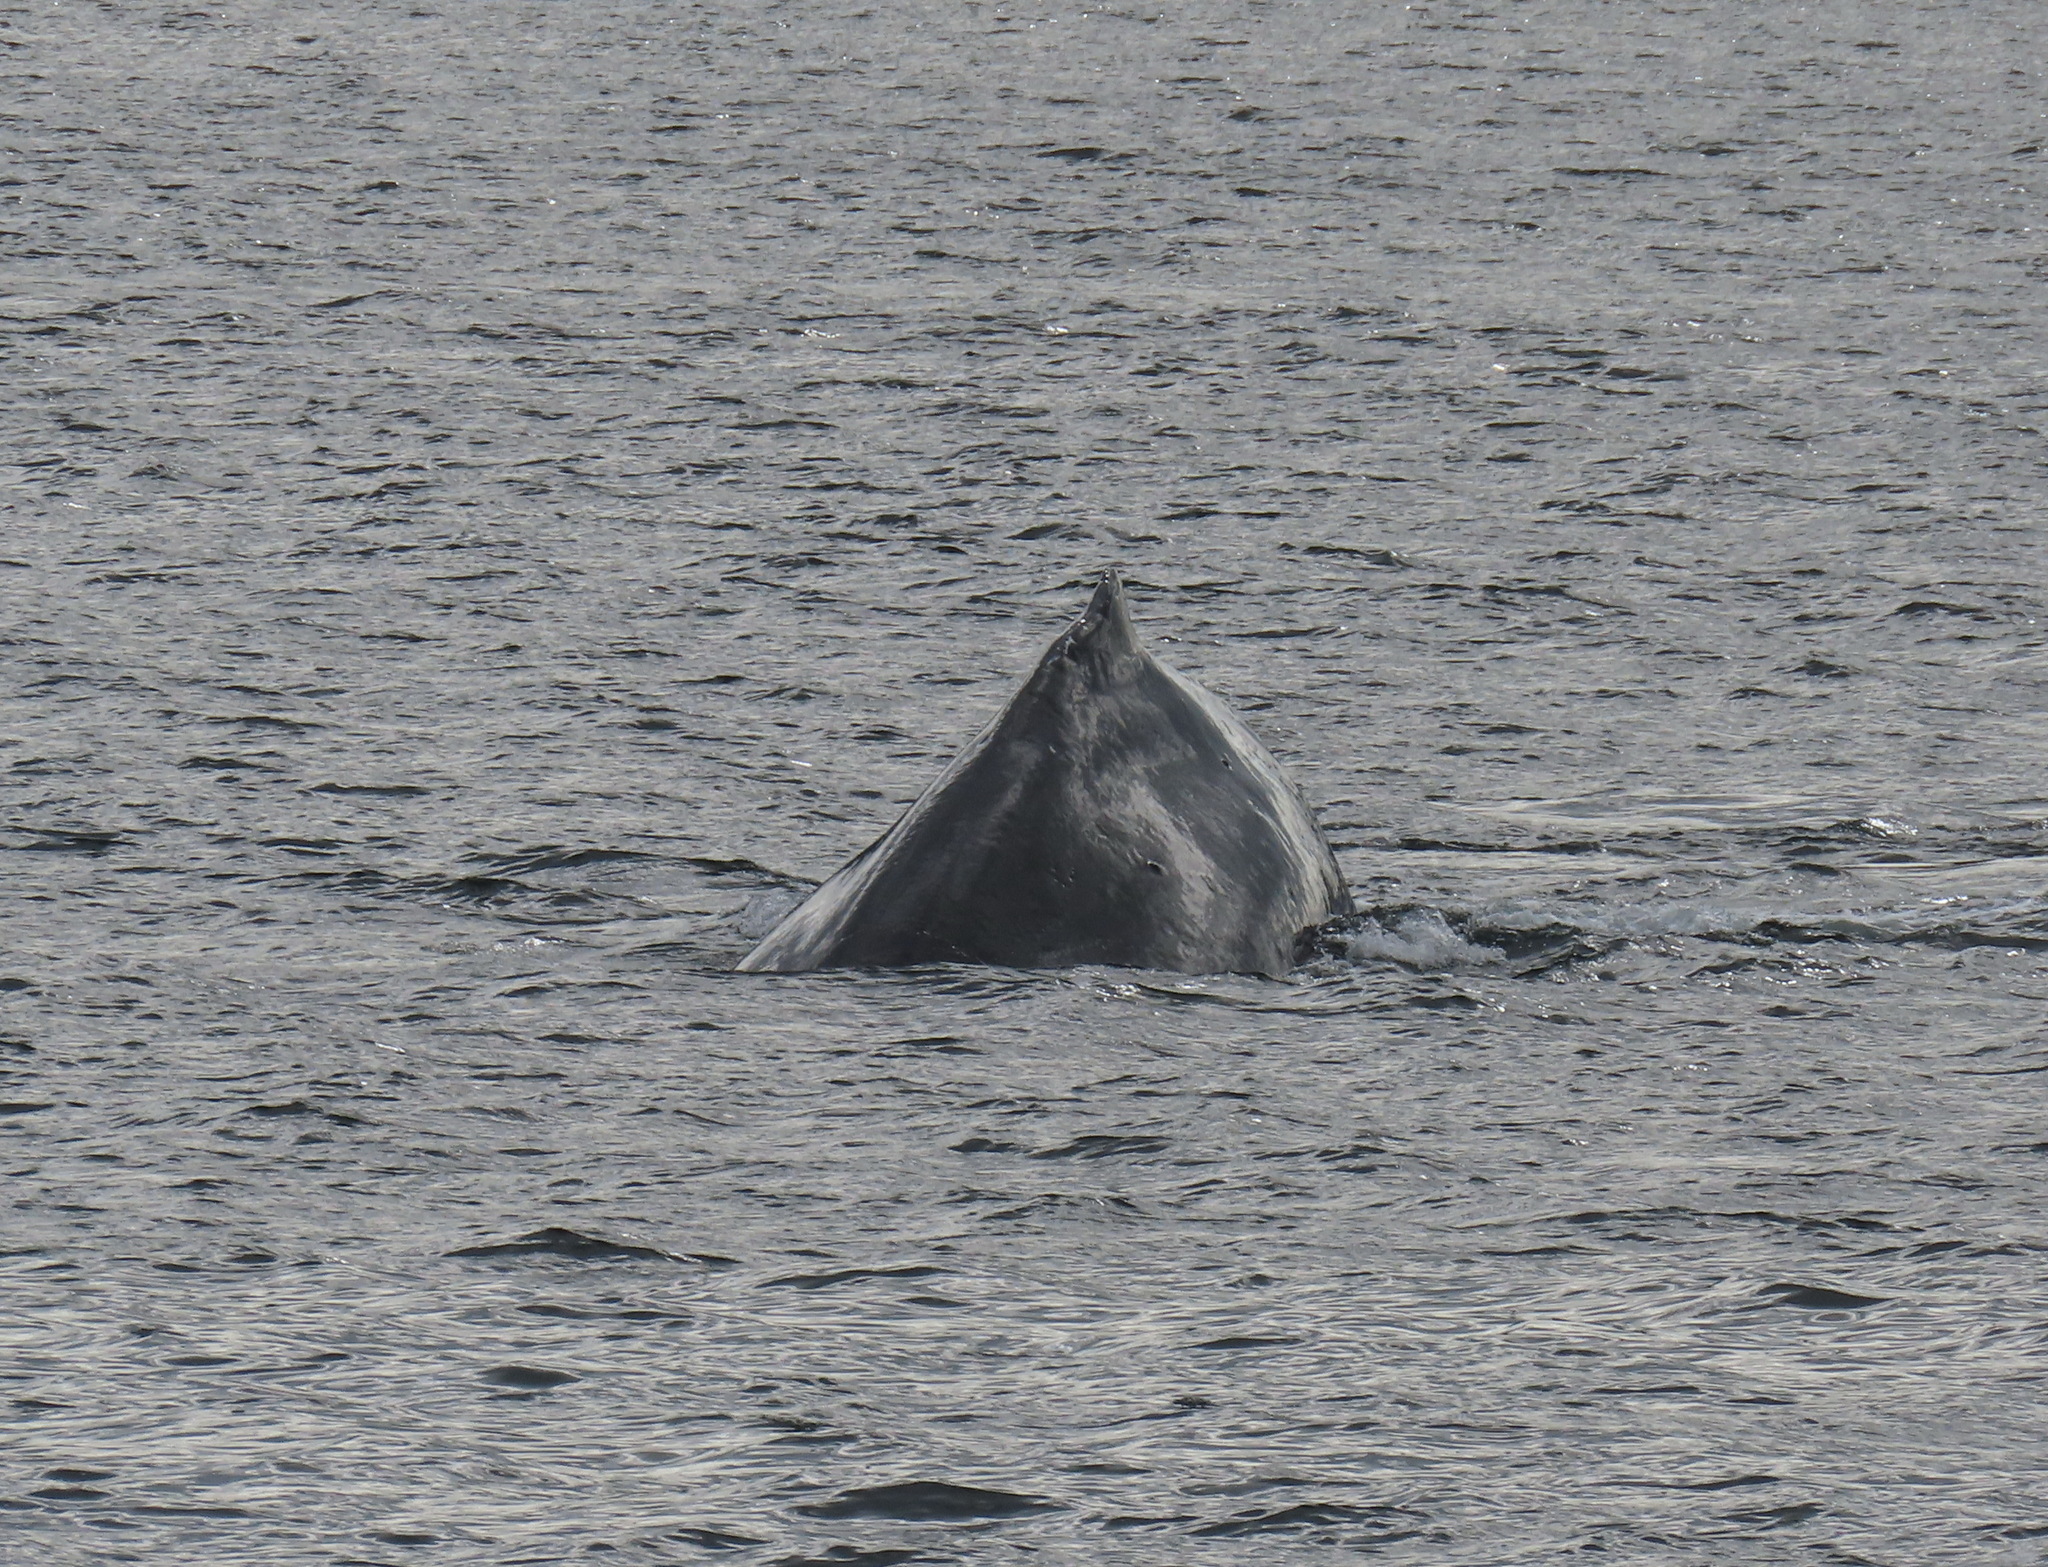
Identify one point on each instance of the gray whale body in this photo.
(1114, 812)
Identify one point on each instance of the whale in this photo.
(1114, 812)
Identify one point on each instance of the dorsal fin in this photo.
(1105, 625)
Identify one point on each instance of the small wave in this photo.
(489, 890)
(1812, 1297)
(530, 1379)
(713, 865)
(1526, 940)
(395, 791)
(2020, 928)
(922, 1501)
(45, 840)
(1389, 1523)
(822, 1281)
(554, 1241)
(549, 857)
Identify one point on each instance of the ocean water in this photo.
(495, 501)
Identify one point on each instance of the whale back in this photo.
(1114, 812)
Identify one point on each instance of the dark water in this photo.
(496, 498)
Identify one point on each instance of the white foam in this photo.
(1421, 939)
(762, 912)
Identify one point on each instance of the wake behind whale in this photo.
(1114, 812)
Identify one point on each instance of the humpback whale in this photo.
(1114, 812)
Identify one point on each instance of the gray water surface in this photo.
(495, 501)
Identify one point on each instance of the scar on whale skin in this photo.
(1114, 812)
